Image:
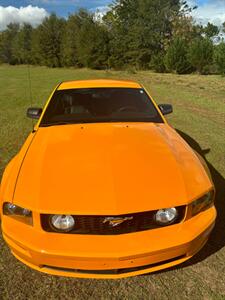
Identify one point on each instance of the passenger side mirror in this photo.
(166, 108)
(34, 113)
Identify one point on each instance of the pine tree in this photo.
(69, 42)
(36, 55)
(211, 30)
(201, 55)
(92, 42)
(7, 39)
(176, 57)
(50, 38)
(21, 48)
(219, 57)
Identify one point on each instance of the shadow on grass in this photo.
(217, 238)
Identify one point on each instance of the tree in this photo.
(219, 57)
(201, 54)
(139, 29)
(50, 39)
(176, 57)
(211, 30)
(133, 34)
(183, 26)
(69, 45)
(36, 53)
(7, 39)
(92, 42)
(21, 47)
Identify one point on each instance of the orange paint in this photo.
(105, 169)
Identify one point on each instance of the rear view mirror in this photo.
(34, 113)
(166, 108)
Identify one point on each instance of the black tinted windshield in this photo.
(94, 105)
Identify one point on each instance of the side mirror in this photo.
(34, 113)
(166, 108)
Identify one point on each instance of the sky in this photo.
(34, 11)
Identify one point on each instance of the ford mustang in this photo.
(104, 187)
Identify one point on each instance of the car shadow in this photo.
(217, 237)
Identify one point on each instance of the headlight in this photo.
(21, 214)
(62, 223)
(202, 203)
(166, 216)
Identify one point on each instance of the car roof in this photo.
(98, 83)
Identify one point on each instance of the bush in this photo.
(219, 57)
(201, 54)
(176, 57)
(157, 63)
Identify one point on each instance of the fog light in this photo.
(63, 223)
(166, 216)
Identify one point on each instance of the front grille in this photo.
(96, 225)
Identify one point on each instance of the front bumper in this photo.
(116, 256)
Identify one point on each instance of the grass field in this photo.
(199, 115)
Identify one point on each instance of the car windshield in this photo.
(93, 105)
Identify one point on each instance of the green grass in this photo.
(199, 115)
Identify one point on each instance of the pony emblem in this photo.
(116, 221)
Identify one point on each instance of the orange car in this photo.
(103, 187)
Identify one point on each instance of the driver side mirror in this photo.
(166, 108)
(34, 113)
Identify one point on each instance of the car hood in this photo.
(108, 169)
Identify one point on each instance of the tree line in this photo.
(135, 35)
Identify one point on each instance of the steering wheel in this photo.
(127, 109)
